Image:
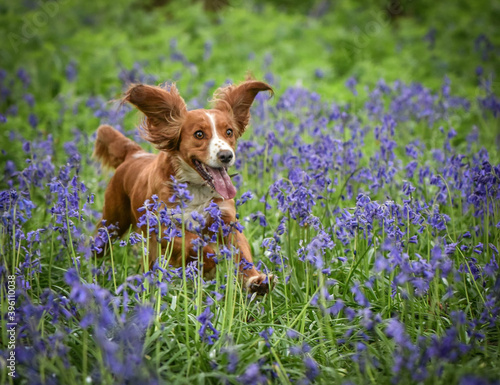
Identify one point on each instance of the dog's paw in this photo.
(260, 284)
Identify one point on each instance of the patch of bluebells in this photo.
(398, 204)
(120, 337)
(411, 359)
(345, 185)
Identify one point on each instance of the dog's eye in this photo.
(229, 132)
(199, 134)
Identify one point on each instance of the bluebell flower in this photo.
(23, 75)
(312, 369)
(319, 73)
(232, 359)
(33, 120)
(71, 71)
(474, 379)
(252, 375)
(266, 334)
(359, 297)
(292, 334)
(206, 325)
(351, 84)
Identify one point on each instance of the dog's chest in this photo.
(202, 196)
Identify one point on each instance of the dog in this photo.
(197, 147)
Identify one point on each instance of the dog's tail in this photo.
(112, 148)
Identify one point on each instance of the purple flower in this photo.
(265, 334)
(351, 84)
(33, 120)
(206, 325)
(472, 379)
(180, 193)
(491, 268)
(292, 334)
(260, 216)
(359, 297)
(245, 197)
(252, 376)
(312, 369)
(23, 75)
(396, 330)
(30, 100)
(319, 73)
(232, 359)
(71, 71)
(337, 307)
(143, 316)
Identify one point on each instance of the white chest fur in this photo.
(202, 194)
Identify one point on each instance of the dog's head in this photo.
(203, 141)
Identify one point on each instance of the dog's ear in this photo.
(237, 99)
(165, 111)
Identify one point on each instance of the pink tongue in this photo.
(222, 182)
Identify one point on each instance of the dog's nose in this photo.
(225, 156)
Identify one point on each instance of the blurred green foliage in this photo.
(368, 40)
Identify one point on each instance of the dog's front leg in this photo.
(253, 280)
(183, 247)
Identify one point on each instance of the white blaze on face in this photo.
(217, 144)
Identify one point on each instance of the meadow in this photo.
(369, 185)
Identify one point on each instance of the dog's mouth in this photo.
(216, 178)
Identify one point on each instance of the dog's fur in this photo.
(196, 147)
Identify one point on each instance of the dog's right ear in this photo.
(165, 111)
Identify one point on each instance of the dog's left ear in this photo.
(237, 99)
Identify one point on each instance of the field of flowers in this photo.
(379, 212)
